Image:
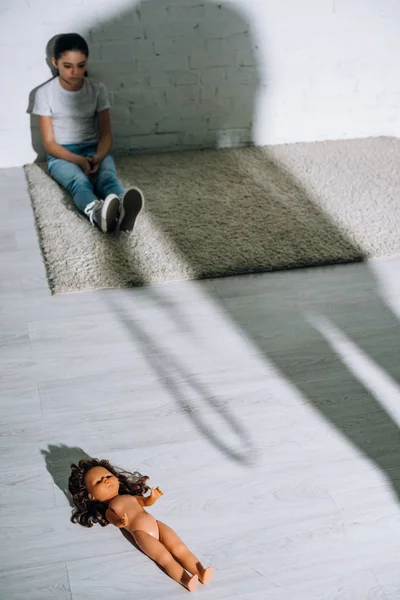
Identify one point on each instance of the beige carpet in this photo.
(226, 212)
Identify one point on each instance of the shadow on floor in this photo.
(58, 463)
(174, 376)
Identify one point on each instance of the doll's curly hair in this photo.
(87, 512)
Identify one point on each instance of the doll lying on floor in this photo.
(103, 494)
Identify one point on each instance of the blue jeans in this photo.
(85, 189)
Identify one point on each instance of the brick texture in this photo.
(198, 73)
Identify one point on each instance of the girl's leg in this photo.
(107, 181)
(157, 552)
(74, 180)
(131, 201)
(188, 560)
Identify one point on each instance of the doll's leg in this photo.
(174, 544)
(160, 554)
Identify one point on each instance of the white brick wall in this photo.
(195, 73)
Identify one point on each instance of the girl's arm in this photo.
(113, 518)
(51, 146)
(105, 140)
(156, 493)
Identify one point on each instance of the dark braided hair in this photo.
(87, 512)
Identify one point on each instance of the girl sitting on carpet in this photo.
(75, 125)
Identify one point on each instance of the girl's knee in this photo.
(106, 176)
(79, 181)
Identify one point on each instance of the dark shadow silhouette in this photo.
(172, 373)
(353, 410)
(58, 463)
(50, 53)
(180, 74)
(303, 354)
(37, 143)
(170, 111)
(350, 407)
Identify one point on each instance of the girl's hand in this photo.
(94, 167)
(97, 158)
(85, 164)
(156, 493)
(95, 161)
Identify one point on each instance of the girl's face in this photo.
(101, 484)
(71, 66)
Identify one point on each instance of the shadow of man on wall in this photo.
(181, 74)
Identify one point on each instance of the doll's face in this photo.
(101, 484)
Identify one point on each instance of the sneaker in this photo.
(104, 213)
(131, 203)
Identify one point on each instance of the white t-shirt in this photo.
(73, 113)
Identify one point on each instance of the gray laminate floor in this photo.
(267, 407)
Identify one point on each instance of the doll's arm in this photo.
(156, 493)
(114, 518)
